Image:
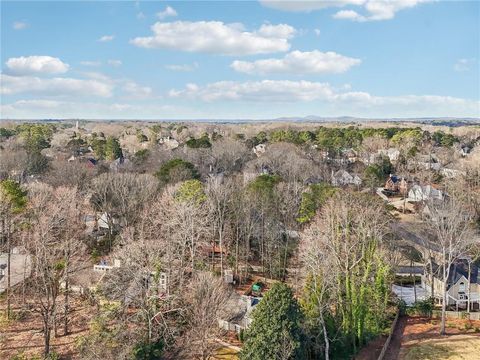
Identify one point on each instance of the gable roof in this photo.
(459, 270)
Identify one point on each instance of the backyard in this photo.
(418, 338)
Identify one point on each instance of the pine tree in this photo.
(112, 149)
(275, 331)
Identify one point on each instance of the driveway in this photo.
(20, 267)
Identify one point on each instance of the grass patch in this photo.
(225, 353)
(429, 352)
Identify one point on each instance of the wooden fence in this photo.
(387, 342)
(457, 315)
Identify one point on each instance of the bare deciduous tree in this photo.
(207, 298)
(450, 223)
(54, 220)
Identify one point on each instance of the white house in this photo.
(423, 193)
(260, 149)
(169, 143)
(458, 289)
(343, 178)
(392, 153)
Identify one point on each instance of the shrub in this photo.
(141, 156)
(148, 351)
(176, 170)
(202, 142)
(402, 307)
(423, 307)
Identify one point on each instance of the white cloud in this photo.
(114, 62)
(375, 9)
(378, 10)
(26, 65)
(168, 12)
(280, 31)
(307, 6)
(463, 65)
(90, 63)
(106, 38)
(323, 94)
(217, 37)
(52, 109)
(19, 25)
(265, 90)
(297, 62)
(95, 75)
(135, 90)
(317, 32)
(54, 86)
(182, 67)
(347, 15)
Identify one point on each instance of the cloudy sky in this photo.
(239, 59)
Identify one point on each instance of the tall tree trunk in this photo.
(9, 259)
(220, 241)
(325, 337)
(444, 306)
(9, 256)
(414, 284)
(468, 291)
(46, 335)
(67, 289)
(432, 288)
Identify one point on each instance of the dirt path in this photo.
(372, 350)
(396, 341)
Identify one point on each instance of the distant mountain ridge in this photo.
(446, 121)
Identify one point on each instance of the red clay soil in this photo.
(413, 329)
(372, 350)
(26, 336)
(396, 341)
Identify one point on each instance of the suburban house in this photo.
(119, 163)
(253, 171)
(169, 143)
(349, 155)
(91, 162)
(99, 222)
(240, 316)
(465, 150)
(395, 184)
(343, 178)
(424, 193)
(259, 149)
(312, 180)
(392, 153)
(463, 282)
(427, 162)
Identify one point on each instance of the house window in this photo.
(461, 287)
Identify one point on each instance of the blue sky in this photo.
(239, 59)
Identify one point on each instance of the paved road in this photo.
(19, 264)
(402, 231)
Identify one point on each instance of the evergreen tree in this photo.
(112, 149)
(275, 331)
(176, 170)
